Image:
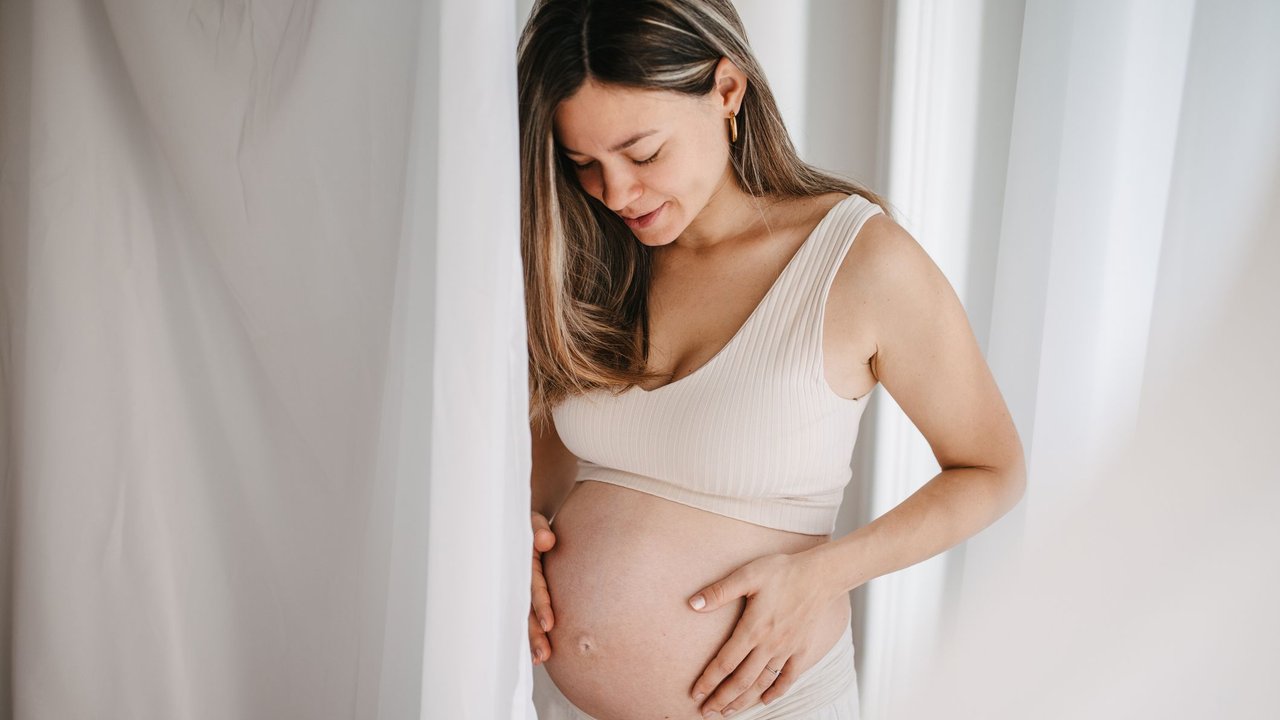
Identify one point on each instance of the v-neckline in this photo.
(763, 301)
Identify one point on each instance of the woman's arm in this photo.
(928, 359)
(554, 469)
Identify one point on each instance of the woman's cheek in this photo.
(590, 183)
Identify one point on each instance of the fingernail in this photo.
(699, 696)
(729, 712)
(698, 602)
(545, 625)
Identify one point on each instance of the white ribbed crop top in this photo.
(755, 433)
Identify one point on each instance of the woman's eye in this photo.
(646, 161)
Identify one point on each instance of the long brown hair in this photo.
(586, 276)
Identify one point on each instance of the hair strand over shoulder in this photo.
(586, 277)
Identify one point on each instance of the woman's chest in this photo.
(764, 436)
(701, 314)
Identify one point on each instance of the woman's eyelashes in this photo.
(649, 159)
(646, 161)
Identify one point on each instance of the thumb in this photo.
(718, 593)
(544, 539)
(543, 536)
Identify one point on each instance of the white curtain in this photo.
(1093, 177)
(262, 368)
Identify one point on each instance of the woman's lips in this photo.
(644, 221)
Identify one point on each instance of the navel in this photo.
(586, 645)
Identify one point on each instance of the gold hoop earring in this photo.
(733, 127)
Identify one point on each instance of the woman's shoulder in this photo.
(878, 240)
(883, 248)
(808, 210)
(887, 271)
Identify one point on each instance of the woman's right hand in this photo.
(540, 618)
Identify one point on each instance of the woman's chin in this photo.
(655, 238)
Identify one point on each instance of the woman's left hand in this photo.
(785, 594)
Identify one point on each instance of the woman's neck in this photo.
(730, 214)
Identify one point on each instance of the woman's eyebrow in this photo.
(620, 146)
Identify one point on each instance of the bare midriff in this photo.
(626, 645)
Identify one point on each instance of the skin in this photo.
(892, 319)
(688, 156)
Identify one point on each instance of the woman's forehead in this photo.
(604, 118)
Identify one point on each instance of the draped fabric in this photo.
(1156, 596)
(1123, 206)
(265, 447)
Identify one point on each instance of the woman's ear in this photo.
(731, 85)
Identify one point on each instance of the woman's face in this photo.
(654, 157)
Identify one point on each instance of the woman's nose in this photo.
(619, 190)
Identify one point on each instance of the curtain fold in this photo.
(1139, 225)
(1134, 176)
(263, 364)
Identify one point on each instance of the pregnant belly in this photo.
(625, 644)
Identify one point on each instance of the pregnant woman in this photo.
(707, 317)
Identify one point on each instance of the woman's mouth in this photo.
(644, 221)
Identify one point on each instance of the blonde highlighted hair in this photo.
(586, 276)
